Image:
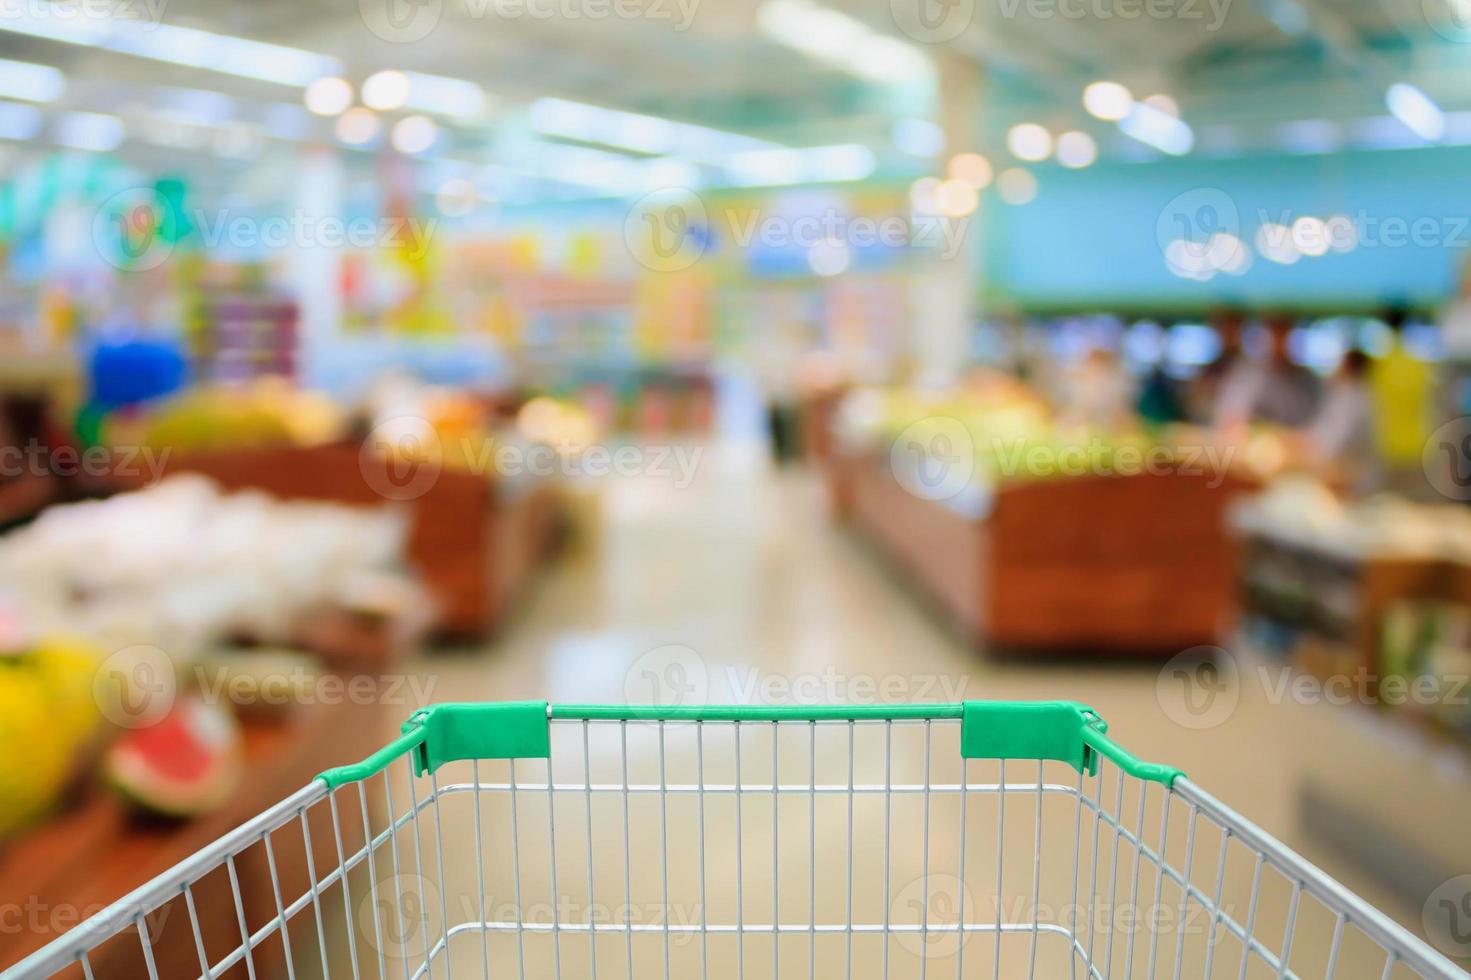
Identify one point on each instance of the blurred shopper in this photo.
(1274, 390)
(777, 352)
(1160, 401)
(1229, 324)
(1455, 338)
(1096, 391)
(1402, 387)
(1341, 438)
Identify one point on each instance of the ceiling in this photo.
(1239, 69)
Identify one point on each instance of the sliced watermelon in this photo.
(185, 764)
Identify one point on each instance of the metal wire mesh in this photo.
(856, 849)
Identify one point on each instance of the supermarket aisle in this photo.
(742, 567)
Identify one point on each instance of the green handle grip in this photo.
(1064, 731)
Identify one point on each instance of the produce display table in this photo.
(1124, 564)
(95, 851)
(474, 541)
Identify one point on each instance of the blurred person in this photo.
(1229, 324)
(1096, 391)
(1455, 333)
(1341, 438)
(1275, 390)
(776, 353)
(1401, 387)
(1161, 400)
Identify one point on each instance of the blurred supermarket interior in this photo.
(360, 355)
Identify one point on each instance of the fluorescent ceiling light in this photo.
(385, 90)
(173, 129)
(94, 131)
(887, 60)
(653, 135)
(19, 122)
(847, 161)
(179, 45)
(602, 172)
(207, 108)
(290, 122)
(1416, 110)
(413, 134)
(444, 96)
(767, 167)
(1458, 128)
(843, 42)
(1076, 149)
(1310, 136)
(815, 164)
(328, 96)
(1382, 133)
(1109, 101)
(919, 137)
(33, 83)
(1158, 129)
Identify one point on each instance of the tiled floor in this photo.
(738, 589)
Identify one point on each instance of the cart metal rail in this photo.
(997, 839)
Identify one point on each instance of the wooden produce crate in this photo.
(1119, 564)
(1138, 563)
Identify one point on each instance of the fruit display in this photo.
(184, 567)
(48, 717)
(1001, 430)
(266, 412)
(421, 424)
(184, 764)
(412, 422)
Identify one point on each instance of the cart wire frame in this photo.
(1026, 734)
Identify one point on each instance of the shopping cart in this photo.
(980, 839)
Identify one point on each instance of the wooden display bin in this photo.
(1121, 564)
(473, 541)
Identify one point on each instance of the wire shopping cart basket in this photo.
(984, 839)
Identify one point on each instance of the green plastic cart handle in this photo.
(1064, 731)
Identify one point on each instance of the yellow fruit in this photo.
(47, 714)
